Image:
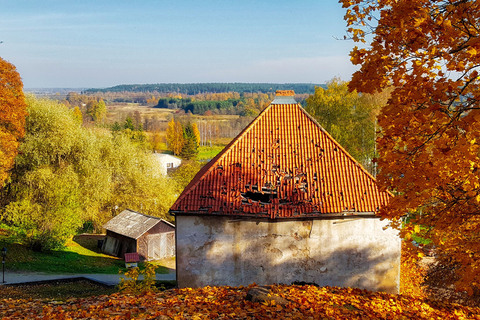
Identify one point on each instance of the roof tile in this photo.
(283, 165)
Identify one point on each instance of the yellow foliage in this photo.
(132, 284)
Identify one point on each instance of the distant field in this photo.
(208, 153)
(118, 112)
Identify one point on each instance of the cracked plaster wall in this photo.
(341, 252)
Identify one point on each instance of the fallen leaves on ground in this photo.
(55, 289)
(306, 302)
(412, 272)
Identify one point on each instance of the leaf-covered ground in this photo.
(61, 289)
(305, 302)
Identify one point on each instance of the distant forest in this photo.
(199, 88)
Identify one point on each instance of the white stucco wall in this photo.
(167, 161)
(348, 253)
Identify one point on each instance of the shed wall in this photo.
(342, 252)
(154, 244)
(117, 244)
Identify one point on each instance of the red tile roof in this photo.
(283, 165)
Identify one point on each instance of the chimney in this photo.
(285, 93)
(284, 97)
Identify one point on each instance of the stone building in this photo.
(284, 203)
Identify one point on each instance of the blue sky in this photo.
(102, 43)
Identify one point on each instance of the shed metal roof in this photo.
(133, 224)
(283, 165)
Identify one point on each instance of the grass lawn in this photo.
(81, 255)
(207, 153)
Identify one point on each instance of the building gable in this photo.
(283, 165)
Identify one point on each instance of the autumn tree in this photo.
(76, 100)
(429, 51)
(155, 141)
(77, 114)
(137, 120)
(97, 110)
(12, 116)
(175, 138)
(170, 133)
(196, 133)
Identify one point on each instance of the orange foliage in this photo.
(305, 302)
(12, 116)
(412, 274)
(429, 52)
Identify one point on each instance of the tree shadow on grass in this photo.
(80, 256)
(61, 261)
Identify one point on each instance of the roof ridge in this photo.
(143, 214)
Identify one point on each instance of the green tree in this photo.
(185, 173)
(348, 117)
(128, 124)
(67, 174)
(48, 211)
(116, 127)
(190, 143)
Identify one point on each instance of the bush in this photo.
(133, 285)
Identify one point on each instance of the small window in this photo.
(170, 165)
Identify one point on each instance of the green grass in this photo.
(80, 255)
(206, 153)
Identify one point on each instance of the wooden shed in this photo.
(130, 231)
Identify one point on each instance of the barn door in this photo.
(161, 245)
(170, 244)
(153, 245)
